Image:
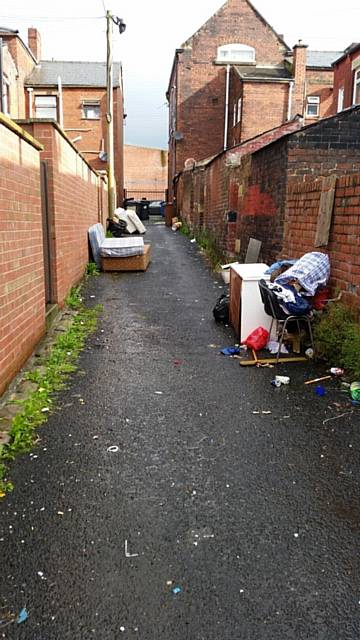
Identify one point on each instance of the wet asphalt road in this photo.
(255, 517)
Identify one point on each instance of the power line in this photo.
(50, 19)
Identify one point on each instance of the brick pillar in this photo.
(299, 72)
(34, 42)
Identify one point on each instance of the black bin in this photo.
(142, 209)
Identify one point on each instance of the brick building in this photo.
(72, 93)
(347, 78)
(145, 172)
(236, 78)
(254, 180)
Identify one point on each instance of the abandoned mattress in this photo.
(122, 247)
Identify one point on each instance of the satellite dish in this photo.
(103, 156)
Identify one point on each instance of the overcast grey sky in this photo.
(75, 30)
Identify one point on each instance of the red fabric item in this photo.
(319, 300)
(257, 339)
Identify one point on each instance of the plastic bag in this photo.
(221, 309)
(257, 339)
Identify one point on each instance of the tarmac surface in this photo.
(208, 521)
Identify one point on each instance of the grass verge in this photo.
(50, 377)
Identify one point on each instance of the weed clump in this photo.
(337, 337)
(50, 378)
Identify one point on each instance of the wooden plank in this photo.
(326, 208)
(246, 363)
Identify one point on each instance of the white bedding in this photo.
(122, 247)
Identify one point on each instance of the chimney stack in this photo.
(299, 73)
(34, 42)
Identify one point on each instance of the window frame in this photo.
(239, 110)
(47, 117)
(227, 54)
(6, 101)
(340, 100)
(88, 104)
(356, 85)
(313, 101)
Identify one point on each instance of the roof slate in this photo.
(5, 30)
(75, 74)
(321, 59)
(248, 72)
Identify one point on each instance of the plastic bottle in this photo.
(355, 391)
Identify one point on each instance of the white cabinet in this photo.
(246, 307)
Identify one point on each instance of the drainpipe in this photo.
(226, 123)
(30, 92)
(61, 108)
(291, 88)
(1, 76)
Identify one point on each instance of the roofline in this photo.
(268, 25)
(69, 86)
(268, 80)
(210, 159)
(346, 53)
(319, 68)
(143, 146)
(177, 51)
(263, 20)
(11, 34)
(260, 79)
(312, 124)
(81, 61)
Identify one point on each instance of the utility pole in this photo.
(110, 19)
(110, 117)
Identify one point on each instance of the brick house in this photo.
(236, 78)
(72, 93)
(347, 78)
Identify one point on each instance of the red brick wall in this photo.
(145, 171)
(230, 182)
(301, 215)
(74, 205)
(22, 317)
(265, 106)
(252, 179)
(201, 83)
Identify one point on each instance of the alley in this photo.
(206, 521)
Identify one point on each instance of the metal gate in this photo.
(46, 232)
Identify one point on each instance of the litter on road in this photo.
(23, 615)
(176, 590)
(113, 449)
(320, 390)
(127, 552)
